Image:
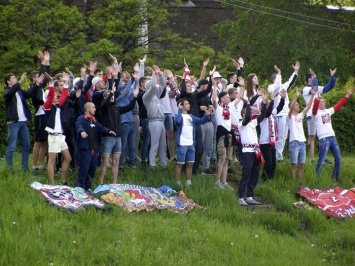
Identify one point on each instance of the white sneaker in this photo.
(242, 202)
(219, 185)
(227, 186)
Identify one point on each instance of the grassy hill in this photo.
(223, 233)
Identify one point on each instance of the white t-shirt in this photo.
(306, 96)
(248, 134)
(227, 124)
(20, 111)
(40, 110)
(264, 129)
(57, 125)
(186, 137)
(295, 124)
(235, 111)
(257, 103)
(323, 123)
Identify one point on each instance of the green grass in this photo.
(223, 233)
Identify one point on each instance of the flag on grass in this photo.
(72, 199)
(137, 198)
(336, 202)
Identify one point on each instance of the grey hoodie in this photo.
(151, 98)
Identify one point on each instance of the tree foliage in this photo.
(265, 35)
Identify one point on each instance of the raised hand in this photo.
(114, 70)
(296, 66)
(150, 70)
(332, 72)
(142, 61)
(114, 59)
(283, 93)
(240, 81)
(47, 56)
(50, 79)
(313, 91)
(109, 71)
(156, 69)
(136, 67)
(278, 71)
(312, 73)
(92, 67)
(40, 79)
(297, 94)
(350, 91)
(236, 63)
(260, 91)
(23, 77)
(83, 71)
(185, 64)
(120, 67)
(206, 62)
(113, 90)
(265, 96)
(213, 70)
(65, 78)
(241, 61)
(41, 56)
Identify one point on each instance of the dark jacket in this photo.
(10, 101)
(111, 113)
(82, 125)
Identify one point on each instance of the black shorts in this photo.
(40, 124)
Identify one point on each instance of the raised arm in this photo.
(310, 101)
(204, 66)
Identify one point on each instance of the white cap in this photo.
(216, 75)
(76, 80)
(95, 80)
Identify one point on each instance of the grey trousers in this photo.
(157, 141)
(207, 143)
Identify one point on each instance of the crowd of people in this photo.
(121, 118)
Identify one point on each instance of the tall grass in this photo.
(223, 233)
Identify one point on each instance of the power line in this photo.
(281, 16)
(293, 13)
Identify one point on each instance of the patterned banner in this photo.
(72, 199)
(336, 202)
(137, 198)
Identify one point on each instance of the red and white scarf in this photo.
(226, 114)
(187, 73)
(172, 88)
(273, 130)
(236, 133)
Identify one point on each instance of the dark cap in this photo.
(221, 94)
(202, 82)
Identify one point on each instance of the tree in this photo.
(276, 32)
(29, 26)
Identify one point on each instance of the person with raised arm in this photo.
(306, 92)
(281, 116)
(325, 132)
(55, 129)
(297, 139)
(252, 156)
(155, 116)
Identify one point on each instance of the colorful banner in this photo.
(72, 199)
(137, 198)
(336, 202)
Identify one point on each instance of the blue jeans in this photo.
(324, 145)
(128, 136)
(16, 131)
(145, 139)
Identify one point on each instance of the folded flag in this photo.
(137, 198)
(69, 198)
